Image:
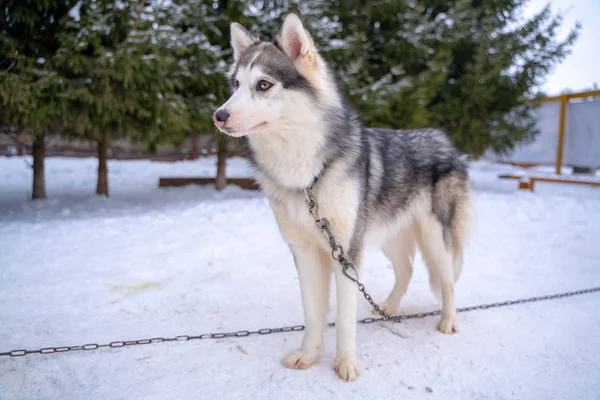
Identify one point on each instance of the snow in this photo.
(150, 262)
(75, 11)
(337, 44)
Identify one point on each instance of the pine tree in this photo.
(498, 58)
(30, 89)
(197, 31)
(384, 54)
(122, 79)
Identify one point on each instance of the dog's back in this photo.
(408, 176)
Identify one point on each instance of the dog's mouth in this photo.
(242, 132)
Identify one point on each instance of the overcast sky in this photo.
(581, 69)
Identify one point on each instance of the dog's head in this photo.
(275, 84)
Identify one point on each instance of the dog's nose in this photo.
(220, 117)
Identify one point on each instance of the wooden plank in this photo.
(526, 185)
(582, 95)
(244, 183)
(510, 177)
(525, 165)
(564, 180)
(527, 182)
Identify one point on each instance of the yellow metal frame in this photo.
(564, 100)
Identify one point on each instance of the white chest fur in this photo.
(338, 201)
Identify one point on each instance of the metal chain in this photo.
(490, 305)
(294, 328)
(337, 252)
(348, 269)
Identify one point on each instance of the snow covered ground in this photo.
(151, 262)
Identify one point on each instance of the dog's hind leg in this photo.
(400, 250)
(314, 272)
(439, 260)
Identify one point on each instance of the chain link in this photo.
(348, 269)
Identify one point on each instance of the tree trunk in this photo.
(221, 161)
(193, 154)
(39, 182)
(102, 186)
(20, 143)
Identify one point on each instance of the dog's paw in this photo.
(300, 359)
(448, 325)
(387, 308)
(346, 369)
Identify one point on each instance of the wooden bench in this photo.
(244, 183)
(527, 182)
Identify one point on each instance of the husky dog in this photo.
(397, 189)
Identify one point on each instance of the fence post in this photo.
(564, 99)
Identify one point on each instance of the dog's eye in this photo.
(236, 84)
(263, 85)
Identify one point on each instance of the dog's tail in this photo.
(460, 226)
(452, 207)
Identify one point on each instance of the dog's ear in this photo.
(295, 40)
(241, 39)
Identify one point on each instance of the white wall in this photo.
(582, 136)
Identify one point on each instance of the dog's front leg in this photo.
(314, 272)
(346, 365)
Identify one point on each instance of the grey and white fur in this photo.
(398, 189)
